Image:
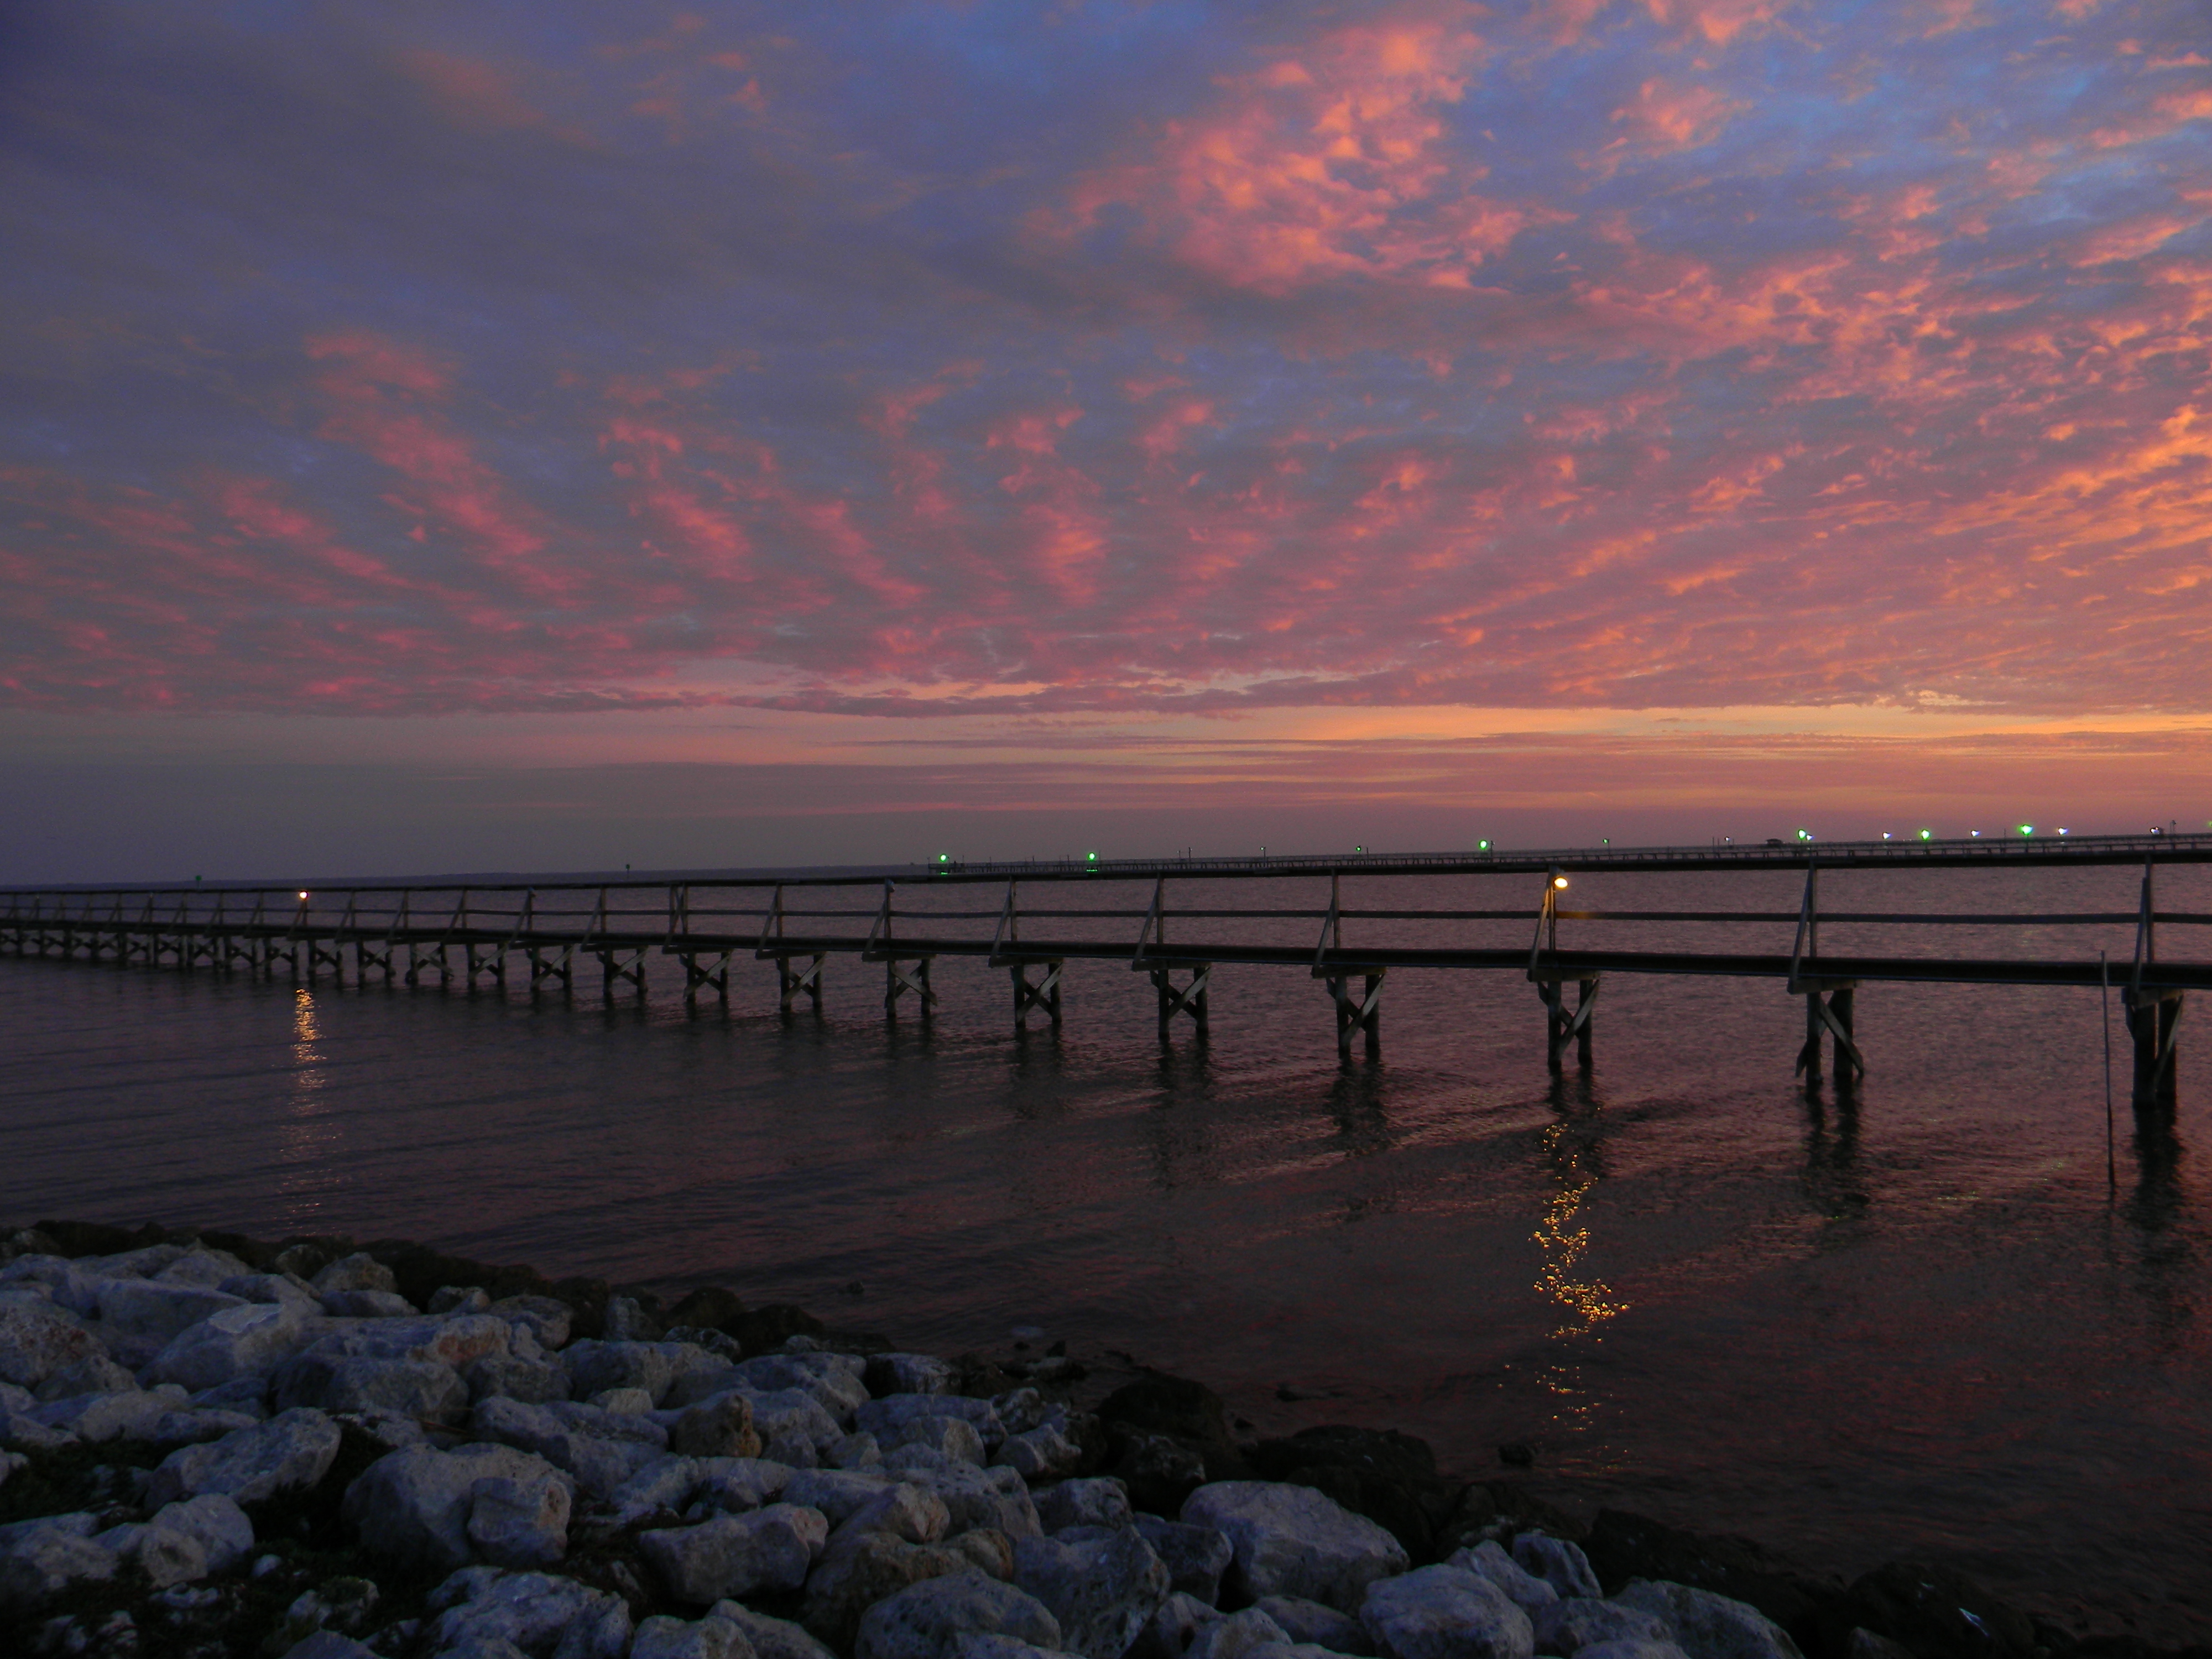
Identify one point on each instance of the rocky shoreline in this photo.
(314, 1449)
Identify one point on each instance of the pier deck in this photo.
(406, 931)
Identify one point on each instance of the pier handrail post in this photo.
(1010, 926)
(1157, 916)
(2146, 929)
(1809, 922)
(882, 926)
(1332, 927)
(772, 922)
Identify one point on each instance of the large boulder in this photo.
(771, 1638)
(859, 1569)
(1575, 1622)
(37, 1339)
(140, 1317)
(910, 1373)
(1233, 1636)
(94, 1418)
(1709, 1625)
(420, 1388)
(602, 1450)
(1313, 1623)
(886, 1418)
(185, 1541)
(236, 1342)
(413, 1507)
(1445, 1613)
(720, 1427)
(736, 1555)
(834, 1379)
(1557, 1562)
(1196, 1556)
(999, 1498)
(663, 1637)
(1098, 1503)
(42, 1558)
(479, 1608)
(520, 1522)
(596, 1366)
(1295, 1540)
(290, 1452)
(1530, 1594)
(1102, 1584)
(1388, 1477)
(357, 1271)
(1622, 1545)
(924, 1621)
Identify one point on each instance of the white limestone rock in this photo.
(886, 1416)
(38, 1339)
(1445, 1613)
(1625, 1649)
(1557, 1562)
(357, 1271)
(94, 1374)
(836, 1493)
(533, 1381)
(711, 1637)
(1040, 1454)
(792, 1426)
(547, 1319)
(1709, 1627)
(983, 1645)
(520, 1522)
(424, 1389)
(1312, 1623)
(910, 1373)
(735, 1555)
(139, 1317)
(40, 1559)
(1235, 1635)
(1101, 1583)
(185, 1541)
(998, 1498)
(854, 1451)
(1575, 1622)
(720, 1427)
(236, 1343)
(1102, 1502)
(594, 1365)
(925, 1619)
(1293, 1540)
(736, 1483)
(533, 1611)
(1530, 1594)
(101, 1417)
(291, 1452)
(366, 1304)
(834, 1379)
(954, 1438)
(600, 1450)
(413, 1507)
(771, 1638)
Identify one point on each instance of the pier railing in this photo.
(481, 931)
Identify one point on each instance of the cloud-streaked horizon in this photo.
(1107, 358)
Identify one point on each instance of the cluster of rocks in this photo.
(217, 1446)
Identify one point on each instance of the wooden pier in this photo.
(481, 932)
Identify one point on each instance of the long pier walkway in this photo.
(1036, 923)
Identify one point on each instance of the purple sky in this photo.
(558, 434)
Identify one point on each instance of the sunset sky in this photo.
(564, 435)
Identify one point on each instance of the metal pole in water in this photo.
(2105, 1002)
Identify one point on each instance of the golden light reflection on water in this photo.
(308, 1131)
(1589, 1302)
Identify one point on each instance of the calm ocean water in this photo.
(1915, 1324)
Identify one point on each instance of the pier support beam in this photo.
(490, 960)
(1362, 1013)
(616, 966)
(790, 981)
(562, 966)
(1562, 1025)
(1044, 995)
(715, 974)
(898, 982)
(1830, 1011)
(420, 955)
(2154, 1023)
(1190, 999)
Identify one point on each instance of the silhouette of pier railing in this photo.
(478, 931)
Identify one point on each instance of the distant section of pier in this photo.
(477, 931)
